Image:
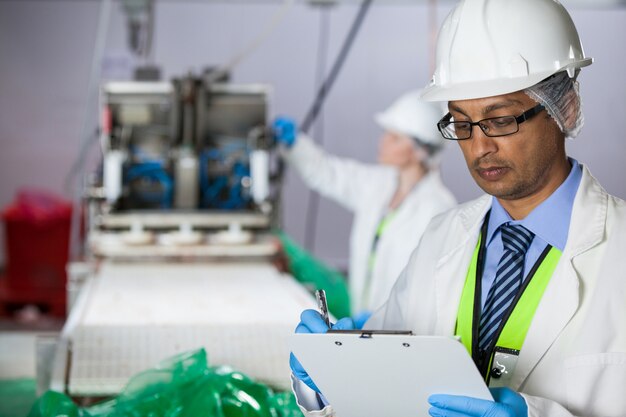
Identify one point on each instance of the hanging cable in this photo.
(316, 107)
(258, 41)
(343, 53)
(318, 127)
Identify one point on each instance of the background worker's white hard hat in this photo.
(411, 116)
(492, 47)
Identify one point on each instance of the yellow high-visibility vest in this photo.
(513, 329)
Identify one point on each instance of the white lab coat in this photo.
(366, 190)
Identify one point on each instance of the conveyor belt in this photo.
(134, 315)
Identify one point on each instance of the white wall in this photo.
(46, 47)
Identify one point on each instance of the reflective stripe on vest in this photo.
(514, 332)
(383, 225)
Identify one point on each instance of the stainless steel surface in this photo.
(45, 348)
(109, 246)
(168, 220)
(59, 368)
(131, 87)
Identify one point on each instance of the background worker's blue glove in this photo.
(312, 322)
(285, 130)
(507, 403)
(360, 319)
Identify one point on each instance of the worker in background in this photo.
(537, 266)
(392, 201)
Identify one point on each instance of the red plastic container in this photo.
(37, 232)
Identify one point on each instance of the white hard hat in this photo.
(491, 47)
(411, 116)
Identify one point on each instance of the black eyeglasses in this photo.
(494, 126)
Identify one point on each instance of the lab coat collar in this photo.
(471, 216)
(590, 208)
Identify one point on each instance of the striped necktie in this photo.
(509, 276)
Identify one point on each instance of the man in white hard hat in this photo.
(392, 201)
(534, 272)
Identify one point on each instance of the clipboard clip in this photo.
(367, 334)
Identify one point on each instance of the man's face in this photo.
(517, 166)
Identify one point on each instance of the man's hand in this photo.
(507, 403)
(312, 322)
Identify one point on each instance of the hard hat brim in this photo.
(489, 88)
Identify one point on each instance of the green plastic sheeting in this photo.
(313, 273)
(17, 396)
(182, 386)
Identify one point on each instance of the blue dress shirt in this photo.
(549, 221)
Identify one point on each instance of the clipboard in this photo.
(366, 373)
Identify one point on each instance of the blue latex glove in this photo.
(360, 319)
(507, 403)
(312, 322)
(285, 130)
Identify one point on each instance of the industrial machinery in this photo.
(179, 253)
(180, 158)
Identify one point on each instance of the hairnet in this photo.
(560, 96)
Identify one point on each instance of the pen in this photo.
(323, 306)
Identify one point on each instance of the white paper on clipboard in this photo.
(386, 374)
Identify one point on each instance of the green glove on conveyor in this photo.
(183, 386)
(308, 270)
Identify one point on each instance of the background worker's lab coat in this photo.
(575, 350)
(366, 190)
